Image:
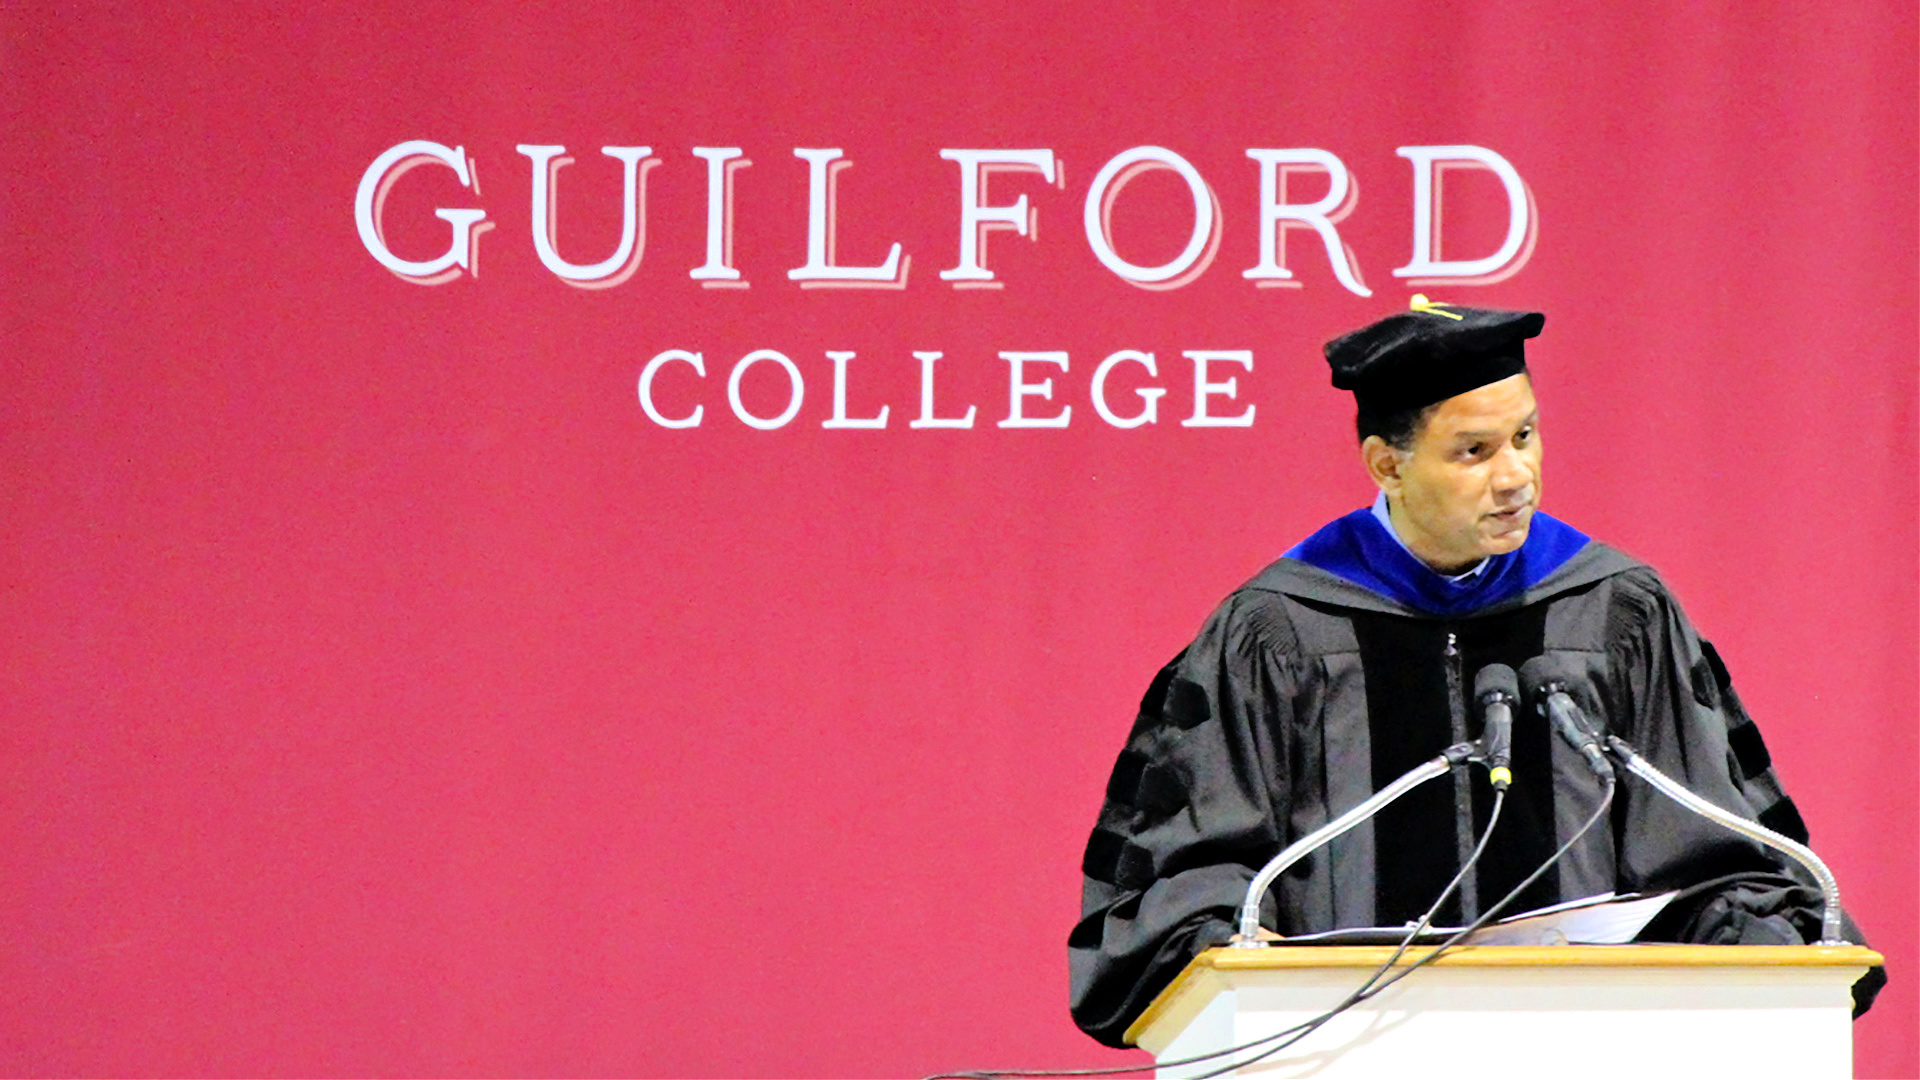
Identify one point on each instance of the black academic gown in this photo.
(1304, 693)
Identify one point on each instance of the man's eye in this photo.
(1526, 435)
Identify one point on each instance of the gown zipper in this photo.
(1462, 783)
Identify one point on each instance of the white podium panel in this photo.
(1572, 1011)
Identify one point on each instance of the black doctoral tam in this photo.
(1428, 354)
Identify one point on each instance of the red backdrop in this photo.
(384, 691)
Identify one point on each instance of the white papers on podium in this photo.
(1605, 919)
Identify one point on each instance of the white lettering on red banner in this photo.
(1040, 390)
(978, 216)
(1025, 394)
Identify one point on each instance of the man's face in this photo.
(1470, 484)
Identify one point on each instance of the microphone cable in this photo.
(1305, 1027)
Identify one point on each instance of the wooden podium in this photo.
(1602, 1011)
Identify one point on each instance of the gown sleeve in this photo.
(1187, 821)
(1676, 705)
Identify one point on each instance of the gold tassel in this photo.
(1431, 307)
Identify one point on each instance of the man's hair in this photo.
(1400, 427)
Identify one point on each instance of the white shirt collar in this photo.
(1385, 519)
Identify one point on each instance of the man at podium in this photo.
(1348, 661)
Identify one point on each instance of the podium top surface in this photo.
(1279, 956)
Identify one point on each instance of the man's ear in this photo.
(1383, 464)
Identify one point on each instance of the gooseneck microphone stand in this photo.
(1497, 689)
(1830, 932)
(1248, 938)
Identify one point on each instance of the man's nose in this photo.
(1511, 471)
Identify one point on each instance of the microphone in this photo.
(1497, 689)
(1546, 679)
